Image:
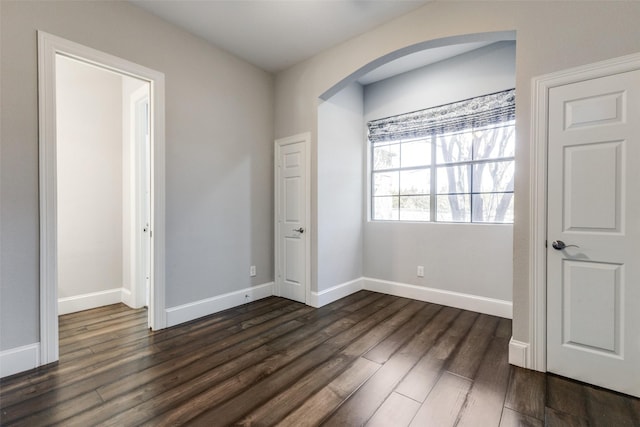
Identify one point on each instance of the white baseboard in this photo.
(518, 353)
(475, 303)
(318, 299)
(87, 301)
(126, 297)
(193, 310)
(19, 359)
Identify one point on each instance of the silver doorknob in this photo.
(560, 245)
(299, 230)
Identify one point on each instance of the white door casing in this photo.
(292, 217)
(48, 47)
(593, 289)
(532, 353)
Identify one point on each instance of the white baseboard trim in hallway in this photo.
(87, 301)
(193, 310)
(19, 359)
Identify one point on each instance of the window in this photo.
(453, 163)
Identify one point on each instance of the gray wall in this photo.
(474, 259)
(340, 189)
(89, 164)
(219, 169)
(551, 36)
(479, 72)
(219, 150)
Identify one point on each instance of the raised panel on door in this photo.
(591, 295)
(292, 159)
(292, 260)
(593, 204)
(291, 199)
(595, 110)
(593, 284)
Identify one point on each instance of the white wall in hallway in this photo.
(89, 141)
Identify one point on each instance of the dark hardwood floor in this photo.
(368, 359)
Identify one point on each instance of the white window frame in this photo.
(433, 166)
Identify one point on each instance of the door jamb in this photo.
(48, 47)
(536, 353)
(305, 138)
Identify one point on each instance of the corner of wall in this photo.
(319, 299)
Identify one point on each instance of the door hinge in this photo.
(545, 244)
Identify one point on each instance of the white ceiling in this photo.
(275, 34)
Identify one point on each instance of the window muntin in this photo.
(463, 176)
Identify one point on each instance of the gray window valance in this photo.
(458, 116)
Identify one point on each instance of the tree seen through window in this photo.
(456, 177)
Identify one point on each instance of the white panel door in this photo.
(291, 218)
(142, 195)
(593, 288)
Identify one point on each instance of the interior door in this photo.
(142, 191)
(147, 233)
(593, 236)
(291, 218)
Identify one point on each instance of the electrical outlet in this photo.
(420, 271)
(252, 271)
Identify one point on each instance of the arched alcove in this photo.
(489, 37)
(354, 252)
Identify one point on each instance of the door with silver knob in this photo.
(593, 273)
(291, 201)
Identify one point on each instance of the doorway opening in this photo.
(101, 185)
(103, 200)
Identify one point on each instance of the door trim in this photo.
(48, 47)
(536, 353)
(306, 139)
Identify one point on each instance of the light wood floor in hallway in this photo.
(368, 359)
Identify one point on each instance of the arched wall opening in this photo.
(459, 260)
(489, 37)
